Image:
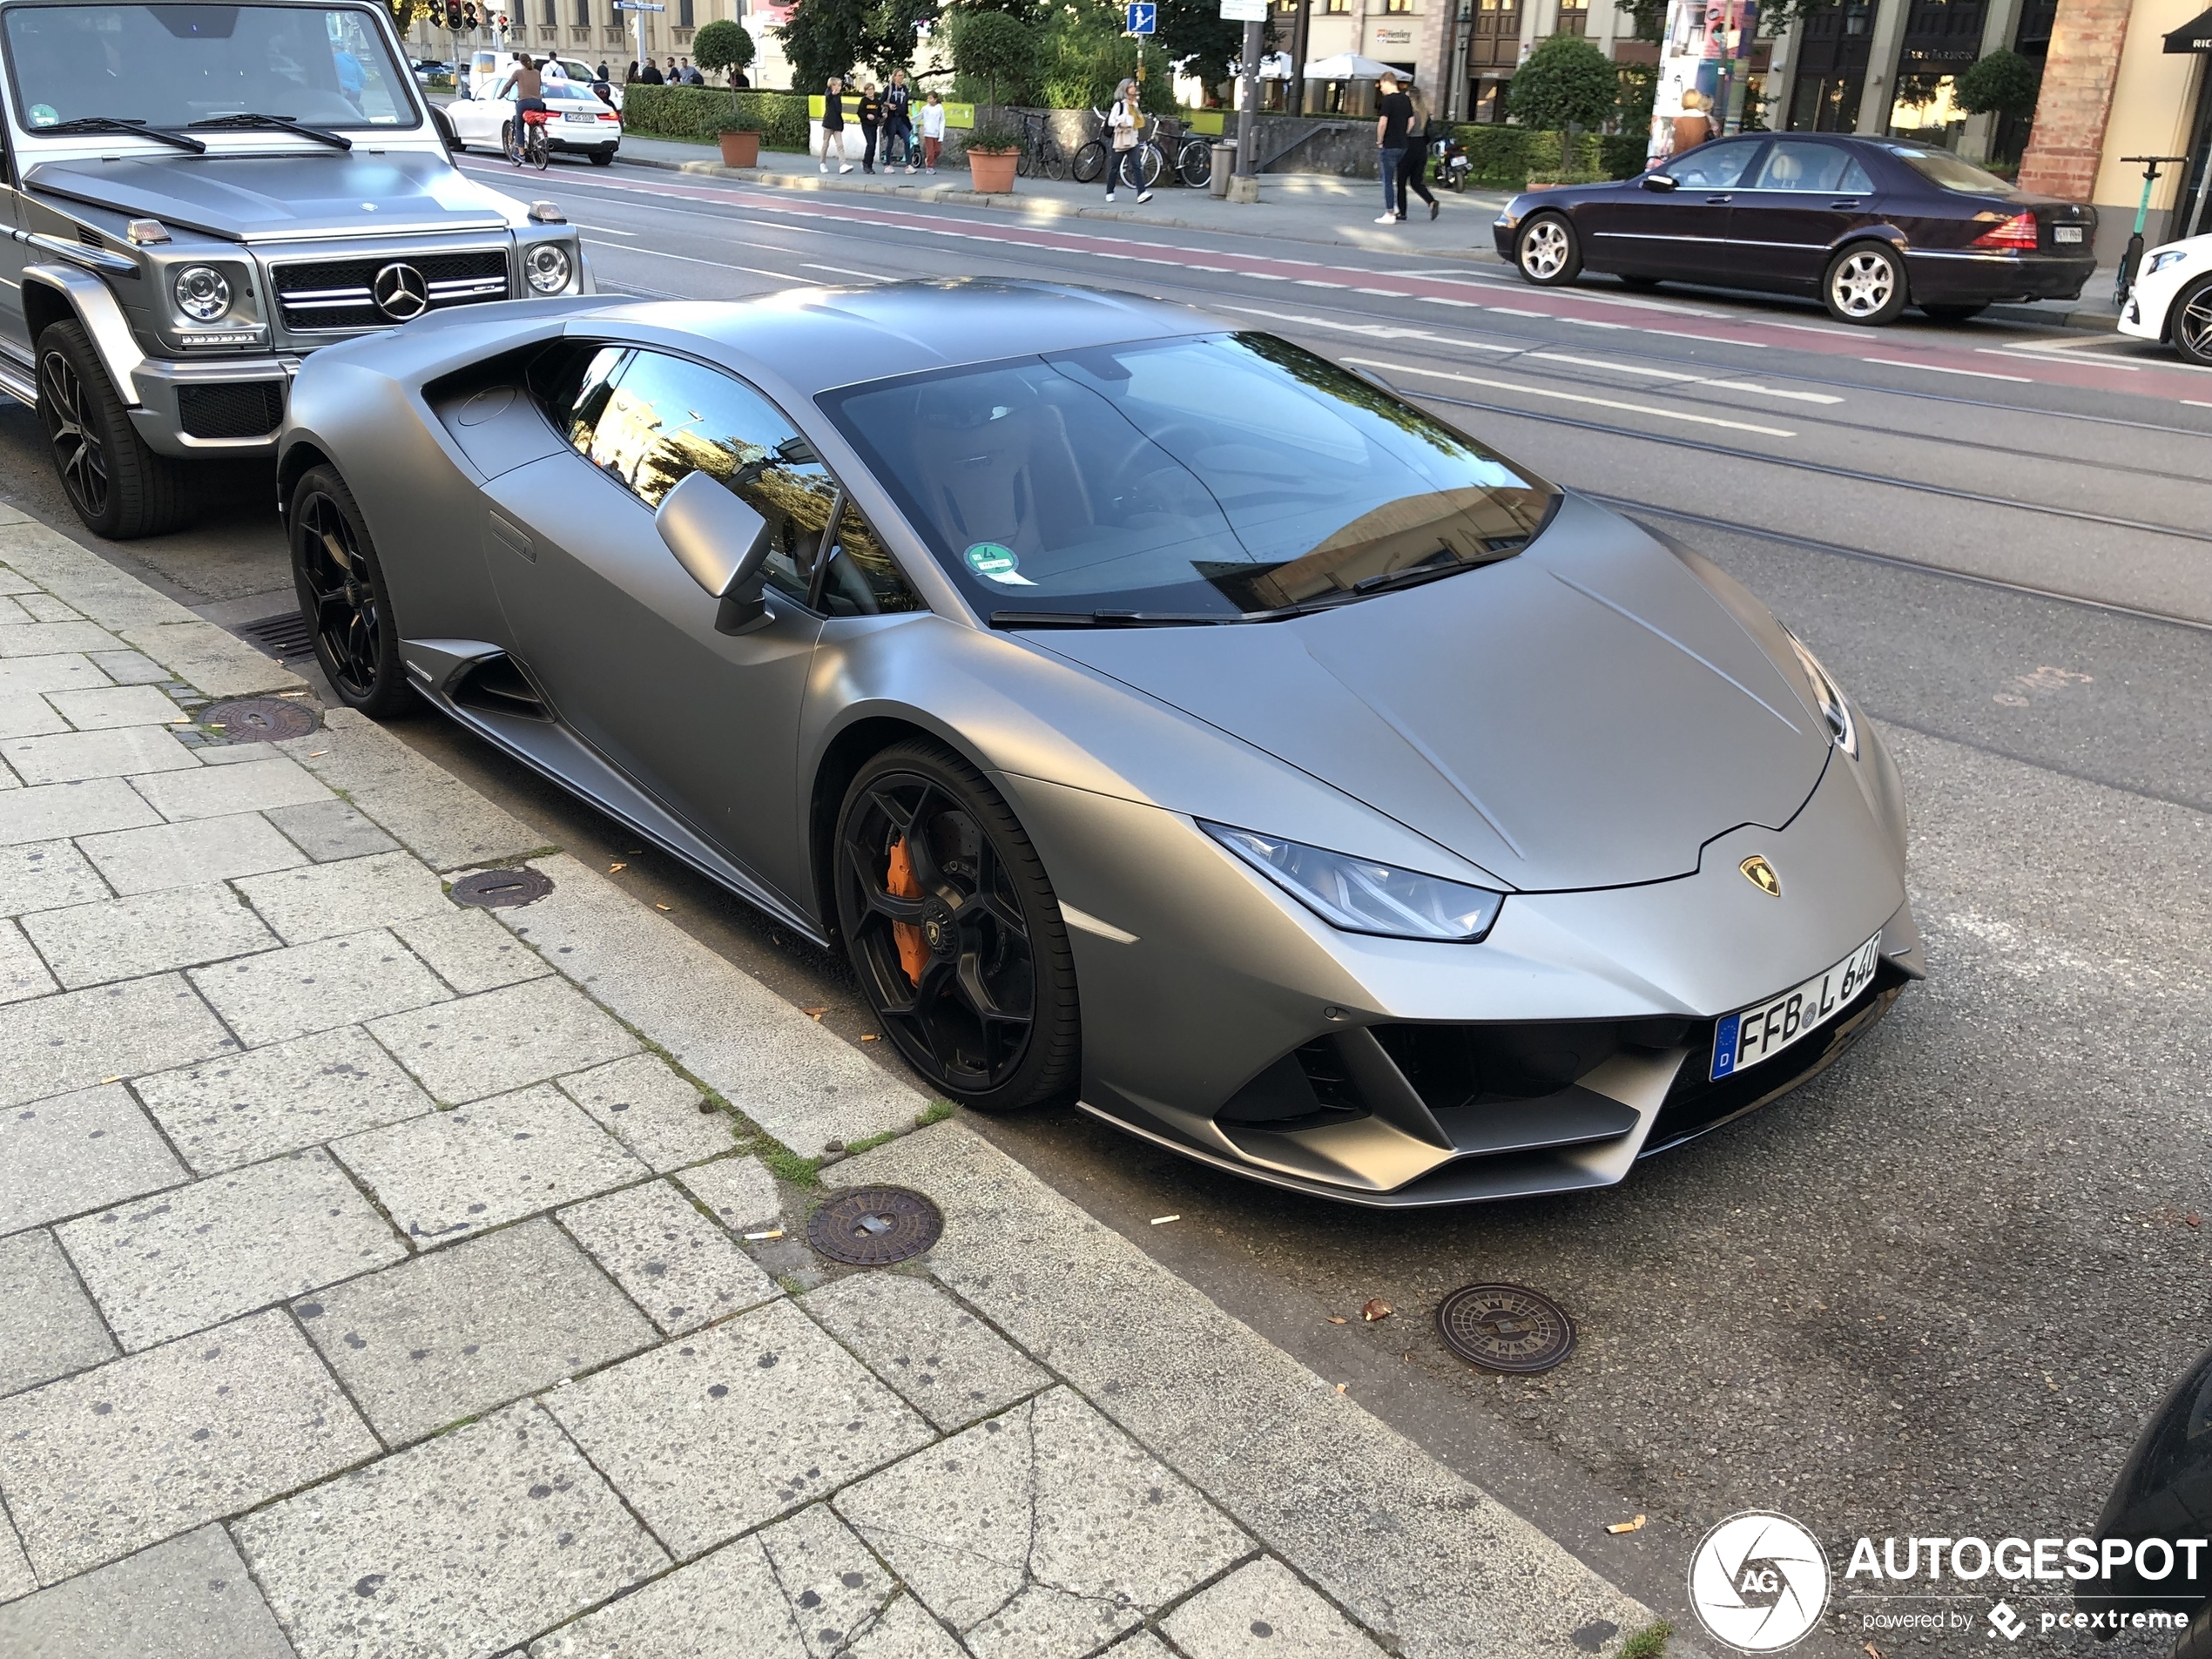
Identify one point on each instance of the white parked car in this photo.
(583, 125)
(2172, 299)
(487, 70)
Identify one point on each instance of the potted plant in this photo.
(993, 148)
(739, 134)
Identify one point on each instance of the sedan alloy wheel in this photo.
(2193, 324)
(1864, 284)
(1548, 256)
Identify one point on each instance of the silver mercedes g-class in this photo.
(195, 197)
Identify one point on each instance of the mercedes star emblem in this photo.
(400, 292)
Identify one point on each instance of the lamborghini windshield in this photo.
(175, 65)
(1203, 478)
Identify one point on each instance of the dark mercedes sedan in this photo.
(1871, 225)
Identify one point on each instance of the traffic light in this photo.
(469, 14)
(453, 16)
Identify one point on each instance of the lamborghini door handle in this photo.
(1716, 198)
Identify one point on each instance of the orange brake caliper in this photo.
(899, 882)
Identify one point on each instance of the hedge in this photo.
(696, 111)
(1621, 154)
(1500, 157)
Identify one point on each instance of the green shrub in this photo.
(697, 113)
(988, 136)
(2002, 83)
(1554, 176)
(722, 44)
(1621, 155)
(1499, 158)
(1565, 81)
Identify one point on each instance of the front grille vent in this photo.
(240, 409)
(339, 294)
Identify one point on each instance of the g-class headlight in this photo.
(547, 266)
(202, 293)
(1829, 695)
(1363, 897)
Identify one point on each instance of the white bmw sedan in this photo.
(581, 125)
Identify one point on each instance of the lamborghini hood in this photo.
(248, 198)
(1587, 714)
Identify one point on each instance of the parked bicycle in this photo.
(527, 145)
(1042, 156)
(1193, 152)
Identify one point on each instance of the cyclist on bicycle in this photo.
(530, 90)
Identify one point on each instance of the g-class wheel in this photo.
(119, 487)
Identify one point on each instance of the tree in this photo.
(1566, 83)
(823, 38)
(722, 45)
(1193, 34)
(2002, 83)
(993, 47)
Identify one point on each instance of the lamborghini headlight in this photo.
(547, 266)
(1363, 897)
(1829, 695)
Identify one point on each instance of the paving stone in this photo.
(470, 951)
(182, 1260)
(1049, 1504)
(129, 667)
(319, 901)
(43, 607)
(141, 706)
(48, 1327)
(182, 855)
(147, 933)
(905, 1631)
(27, 676)
(651, 1110)
(242, 1108)
(834, 1587)
(12, 611)
(447, 825)
(214, 660)
(45, 876)
(728, 1606)
(15, 1576)
(23, 715)
(331, 829)
(74, 1153)
(493, 1161)
(678, 1265)
(501, 1040)
(60, 810)
(739, 1190)
(741, 1423)
(1262, 1611)
(251, 786)
(457, 1547)
(283, 994)
(1139, 1644)
(104, 1463)
(23, 975)
(460, 1331)
(944, 1362)
(45, 639)
(190, 1598)
(73, 757)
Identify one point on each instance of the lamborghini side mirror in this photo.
(1659, 181)
(722, 544)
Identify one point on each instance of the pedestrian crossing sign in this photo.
(1143, 16)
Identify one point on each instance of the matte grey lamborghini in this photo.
(1160, 716)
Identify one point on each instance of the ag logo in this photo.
(1759, 1582)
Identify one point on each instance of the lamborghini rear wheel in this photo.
(342, 596)
(953, 929)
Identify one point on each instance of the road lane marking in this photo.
(1939, 368)
(870, 276)
(1690, 380)
(1570, 397)
(2027, 353)
(603, 230)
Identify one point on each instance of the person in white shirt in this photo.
(1122, 123)
(933, 132)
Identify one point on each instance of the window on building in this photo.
(684, 14)
(1398, 6)
(1573, 16)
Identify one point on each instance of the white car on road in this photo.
(2172, 299)
(580, 124)
(488, 69)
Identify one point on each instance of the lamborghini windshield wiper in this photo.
(130, 128)
(247, 119)
(1108, 618)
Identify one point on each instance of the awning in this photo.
(2194, 36)
(1347, 66)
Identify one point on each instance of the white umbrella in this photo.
(1347, 66)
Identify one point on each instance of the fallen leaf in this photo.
(814, 1013)
(1376, 1309)
(1334, 1320)
(1627, 1526)
(1873, 1652)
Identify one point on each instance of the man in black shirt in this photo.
(1393, 117)
(870, 124)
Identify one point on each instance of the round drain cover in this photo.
(874, 1226)
(259, 719)
(1505, 1327)
(501, 889)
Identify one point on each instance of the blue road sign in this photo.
(1144, 15)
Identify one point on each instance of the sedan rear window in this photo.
(1940, 167)
(1207, 477)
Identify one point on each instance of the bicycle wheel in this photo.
(1052, 161)
(1089, 163)
(1196, 164)
(540, 148)
(511, 144)
(1153, 164)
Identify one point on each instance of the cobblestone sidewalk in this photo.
(381, 1278)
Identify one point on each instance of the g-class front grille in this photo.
(346, 293)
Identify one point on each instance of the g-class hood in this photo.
(1586, 714)
(247, 198)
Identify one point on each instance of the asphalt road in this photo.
(1935, 1291)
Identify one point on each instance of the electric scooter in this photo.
(2133, 256)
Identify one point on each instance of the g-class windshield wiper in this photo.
(129, 129)
(276, 124)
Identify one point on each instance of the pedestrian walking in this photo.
(629, 77)
(870, 124)
(1693, 127)
(649, 75)
(933, 132)
(833, 126)
(898, 119)
(1394, 120)
(602, 75)
(1122, 124)
(1412, 165)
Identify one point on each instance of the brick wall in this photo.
(2067, 143)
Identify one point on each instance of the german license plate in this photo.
(586, 115)
(1764, 1030)
(2066, 232)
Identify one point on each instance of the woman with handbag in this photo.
(1122, 124)
(1413, 163)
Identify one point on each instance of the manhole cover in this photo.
(872, 1226)
(501, 889)
(1505, 1327)
(259, 719)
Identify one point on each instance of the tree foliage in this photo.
(722, 45)
(1565, 81)
(995, 48)
(2002, 83)
(1193, 34)
(823, 37)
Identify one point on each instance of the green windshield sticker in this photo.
(44, 115)
(995, 562)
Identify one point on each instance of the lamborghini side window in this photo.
(650, 420)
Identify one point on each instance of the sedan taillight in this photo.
(2018, 232)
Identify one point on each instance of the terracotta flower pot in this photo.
(740, 149)
(993, 171)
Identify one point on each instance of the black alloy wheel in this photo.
(120, 487)
(342, 598)
(2191, 330)
(953, 929)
